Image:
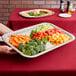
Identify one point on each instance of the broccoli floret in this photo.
(42, 48)
(34, 43)
(33, 47)
(27, 52)
(45, 40)
(27, 42)
(33, 53)
(30, 43)
(31, 35)
(20, 46)
(37, 49)
(31, 40)
(28, 47)
(33, 31)
(39, 42)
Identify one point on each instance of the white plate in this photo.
(65, 15)
(49, 47)
(20, 13)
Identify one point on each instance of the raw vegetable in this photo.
(40, 36)
(53, 31)
(35, 43)
(32, 47)
(43, 27)
(15, 40)
(33, 31)
(20, 46)
(58, 38)
(45, 40)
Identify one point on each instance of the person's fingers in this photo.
(7, 50)
(10, 48)
(12, 52)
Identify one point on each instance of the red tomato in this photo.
(39, 33)
(45, 34)
(34, 34)
(34, 37)
(39, 38)
(55, 29)
(47, 31)
(42, 37)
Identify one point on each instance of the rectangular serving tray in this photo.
(26, 31)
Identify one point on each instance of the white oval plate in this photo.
(65, 15)
(20, 13)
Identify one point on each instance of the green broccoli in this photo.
(27, 52)
(20, 46)
(42, 48)
(39, 42)
(34, 44)
(32, 47)
(45, 40)
(33, 31)
(33, 53)
(28, 47)
(37, 49)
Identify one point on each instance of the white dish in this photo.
(49, 47)
(65, 15)
(20, 13)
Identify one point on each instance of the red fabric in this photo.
(17, 22)
(57, 62)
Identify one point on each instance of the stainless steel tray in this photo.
(49, 47)
(20, 13)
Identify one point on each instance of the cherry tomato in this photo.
(33, 33)
(39, 38)
(39, 33)
(34, 37)
(42, 37)
(47, 31)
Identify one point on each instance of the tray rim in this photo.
(3, 37)
(35, 16)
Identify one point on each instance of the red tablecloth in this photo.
(17, 22)
(61, 61)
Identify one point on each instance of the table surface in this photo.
(17, 22)
(60, 59)
(16, 17)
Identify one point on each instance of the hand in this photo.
(4, 29)
(6, 50)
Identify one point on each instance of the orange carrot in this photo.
(16, 39)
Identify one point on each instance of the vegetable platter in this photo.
(38, 39)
